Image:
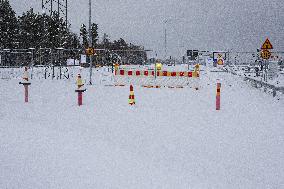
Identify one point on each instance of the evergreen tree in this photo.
(29, 26)
(8, 26)
(106, 41)
(84, 35)
(94, 31)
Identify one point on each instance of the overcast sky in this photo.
(191, 24)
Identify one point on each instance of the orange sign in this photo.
(90, 51)
(220, 62)
(267, 45)
(265, 54)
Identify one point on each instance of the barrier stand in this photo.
(80, 90)
(131, 100)
(218, 97)
(26, 84)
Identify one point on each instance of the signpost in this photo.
(266, 54)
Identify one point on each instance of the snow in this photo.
(171, 138)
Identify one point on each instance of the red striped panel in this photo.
(121, 72)
(129, 72)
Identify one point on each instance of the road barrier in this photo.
(155, 78)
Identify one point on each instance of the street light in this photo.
(166, 35)
(90, 39)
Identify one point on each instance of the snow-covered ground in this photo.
(171, 138)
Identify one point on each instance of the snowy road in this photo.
(172, 138)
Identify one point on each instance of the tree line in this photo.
(42, 31)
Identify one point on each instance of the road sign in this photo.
(265, 54)
(266, 45)
(90, 51)
(220, 62)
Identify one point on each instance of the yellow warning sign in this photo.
(265, 54)
(90, 51)
(267, 45)
(220, 62)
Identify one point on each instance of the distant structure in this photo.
(59, 7)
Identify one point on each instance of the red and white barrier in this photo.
(170, 79)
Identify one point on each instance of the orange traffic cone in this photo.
(131, 99)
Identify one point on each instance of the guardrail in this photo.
(266, 85)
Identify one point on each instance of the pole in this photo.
(80, 98)
(26, 93)
(32, 63)
(166, 40)
(90, 39)
(218, 98)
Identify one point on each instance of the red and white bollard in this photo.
(26, 86)
(218, 96)
(80, 96)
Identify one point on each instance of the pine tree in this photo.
(8, 26)
(106, 41)
(84, 35)
(94, 31)
(29, 35)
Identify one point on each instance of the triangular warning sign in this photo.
(267, 45)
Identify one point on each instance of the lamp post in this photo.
(166, 53)
(90, 40)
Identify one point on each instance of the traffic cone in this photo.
(131, 99)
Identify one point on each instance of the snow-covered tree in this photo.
(84, 35)
(30, 30)
(8, 26)
(94, 30)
